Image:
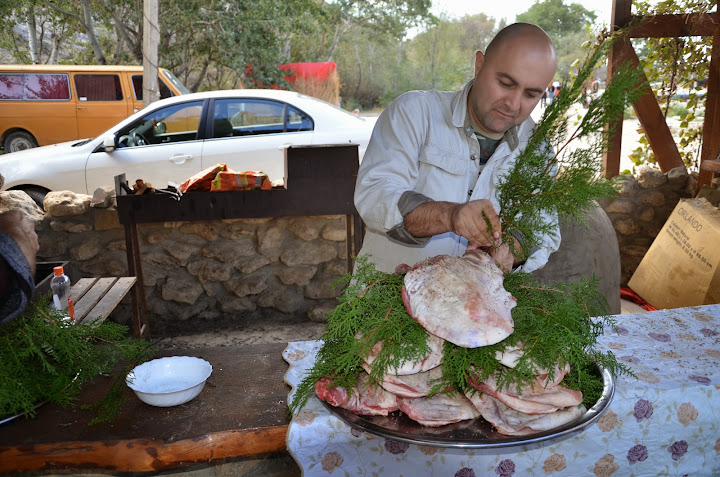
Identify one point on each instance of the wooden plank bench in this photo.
(95, 298)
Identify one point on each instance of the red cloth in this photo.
(630, 295)
(321, 71)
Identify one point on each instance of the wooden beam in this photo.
(621, 15)
(711, 125)
(673, 26)
(652, 119)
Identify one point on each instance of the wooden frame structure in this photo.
(647, 107)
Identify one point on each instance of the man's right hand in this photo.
(466, 220)
(22, 230)
(471, 220)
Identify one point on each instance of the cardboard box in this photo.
(682, 266)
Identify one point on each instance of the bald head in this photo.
(510, 77)
(523, 36)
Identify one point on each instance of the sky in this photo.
(509, 8)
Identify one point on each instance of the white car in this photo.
(175, 138)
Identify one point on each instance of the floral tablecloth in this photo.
(666, 422)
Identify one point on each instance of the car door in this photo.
(251, 134)
(163, 146)
(100, 102)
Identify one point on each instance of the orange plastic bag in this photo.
(248, 180)
(203, 179)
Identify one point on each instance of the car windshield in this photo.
(175, 82)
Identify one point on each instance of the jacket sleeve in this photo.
(390, 169)
(18, 279)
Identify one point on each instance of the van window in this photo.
(34, 86)
(98, 88)
(138, 87)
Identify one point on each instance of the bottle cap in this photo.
(58, 270)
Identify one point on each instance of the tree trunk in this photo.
(360, 75)
(57, 39)
(397, 66)
(432, 58)
(201, 77)
(33, 44)
(339, 30)
(371, 55)
(124, 37)
(90, 30)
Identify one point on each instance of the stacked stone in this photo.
(641, 210)
(224, 272)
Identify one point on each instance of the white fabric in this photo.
(422, 142)
(665, 422)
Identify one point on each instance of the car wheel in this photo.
(19, 141)
(37, 194)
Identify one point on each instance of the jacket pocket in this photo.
(448, 161)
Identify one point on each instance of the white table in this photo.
(666, 422)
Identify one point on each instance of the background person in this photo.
(435, 158)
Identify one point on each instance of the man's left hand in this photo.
(504, 257)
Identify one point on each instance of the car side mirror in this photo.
(159, 128)
(109, 143)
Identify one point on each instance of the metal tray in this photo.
(470, 434)
(6, 419)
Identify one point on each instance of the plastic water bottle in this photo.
(60, 286)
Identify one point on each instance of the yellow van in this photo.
(47, 104)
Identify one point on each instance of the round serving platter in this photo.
(6, 419)
(475, 433)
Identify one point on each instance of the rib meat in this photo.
(365, 399)
(410, 385)
(460, 299)
(430, 361)
(511, 422)
(534, 399)
(439, 409)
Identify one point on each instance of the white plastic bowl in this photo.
(169, 381)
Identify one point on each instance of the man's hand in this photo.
(504, 257)
(471, 221)
(22, 230)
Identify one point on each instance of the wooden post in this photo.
(711, 138)
(621, 13)
(151, 41)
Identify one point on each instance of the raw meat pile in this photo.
(461, 300)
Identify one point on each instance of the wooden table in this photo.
(242, 411)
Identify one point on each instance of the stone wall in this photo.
(229, 272)
(236, 272)
(641, 209)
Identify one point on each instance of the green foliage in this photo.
(48, 359)
(558, 19)
(557, 178)
(553, 324)
(370, 310)
(672, 66)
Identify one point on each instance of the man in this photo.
(18, 247)
(428, 179)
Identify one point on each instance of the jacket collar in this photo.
(461, 119)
